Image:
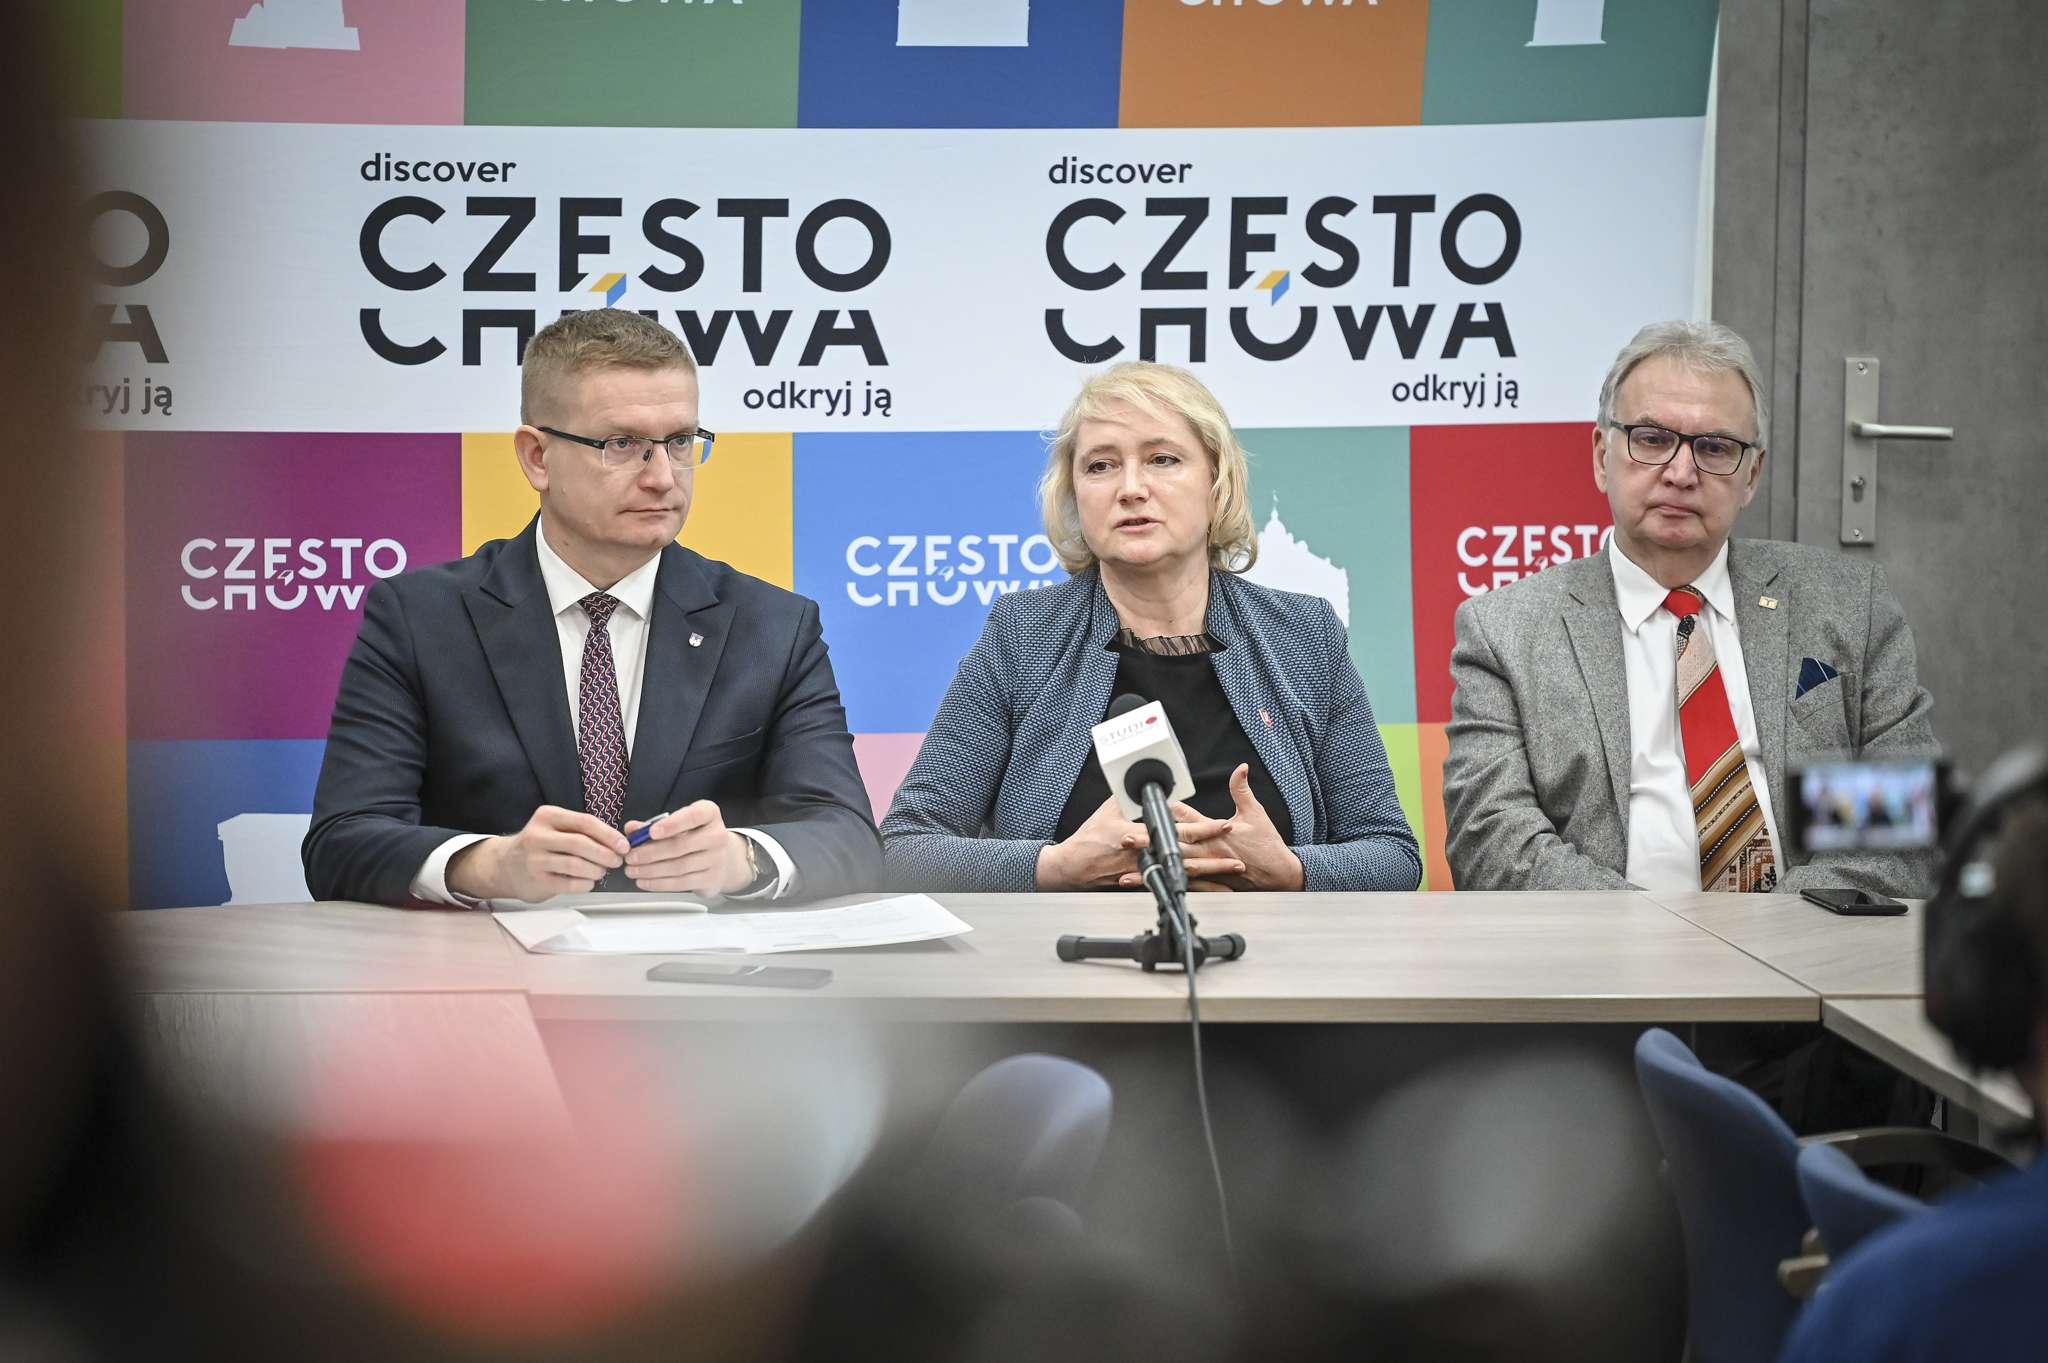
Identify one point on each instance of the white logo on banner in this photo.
(1516, 551)
(1568, 23)
(963, 23)
(944, 570)
(1289, 565)
(295, 23)
(326, 573)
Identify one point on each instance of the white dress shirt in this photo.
(628, 631)
(1663, 838)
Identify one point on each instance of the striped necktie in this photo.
(1734, 843)
(601, 733)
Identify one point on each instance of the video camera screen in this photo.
(1876, 806)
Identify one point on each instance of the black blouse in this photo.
(1177, 672)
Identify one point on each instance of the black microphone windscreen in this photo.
(1147, 771)
(1124, 704)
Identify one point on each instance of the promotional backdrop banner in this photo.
(1400, 240)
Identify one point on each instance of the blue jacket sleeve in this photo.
(933, 837)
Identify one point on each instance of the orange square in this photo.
(1261, 64)
(1435, 746)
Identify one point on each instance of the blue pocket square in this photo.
(1813, 672)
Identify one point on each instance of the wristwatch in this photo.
(760, 869)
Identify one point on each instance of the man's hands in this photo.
(1102, 854)
(1245, 854)
(560, 851)
(565, 851)
(690, 852)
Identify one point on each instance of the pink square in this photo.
(884, 761)
(294, 61)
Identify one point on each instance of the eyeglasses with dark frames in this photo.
(1720, 455)
(685, 450)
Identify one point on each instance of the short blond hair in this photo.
(602, 338)
(1158, 390)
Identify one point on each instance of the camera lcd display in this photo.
(1869, 805)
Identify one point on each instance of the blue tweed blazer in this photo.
(987, 789)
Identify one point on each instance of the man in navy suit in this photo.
(505, 720)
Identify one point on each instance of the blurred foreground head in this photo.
(54, 999)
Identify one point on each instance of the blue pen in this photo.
(644, 831)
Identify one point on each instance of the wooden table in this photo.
(1316, 958)
(288, 974)
(1832, 954)
(1897, 1032)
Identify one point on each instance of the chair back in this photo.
(1845, 1204)
(1027, 1127)
(1730, 1162)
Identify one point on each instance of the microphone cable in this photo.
(1182, 928)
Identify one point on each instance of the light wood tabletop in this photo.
(1832, 954)
(1312, 958)
(1897, 1032)
(315, 948)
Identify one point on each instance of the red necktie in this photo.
(600, 732)
(1734, 843)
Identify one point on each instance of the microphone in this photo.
(1142, 761)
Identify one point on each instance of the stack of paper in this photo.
(881, 922)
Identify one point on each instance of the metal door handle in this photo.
(1878, 430)
(1861, 430)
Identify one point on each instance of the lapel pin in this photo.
(1769, 603)
(1266, 716)
(696, 639)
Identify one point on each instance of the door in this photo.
(1882, 190)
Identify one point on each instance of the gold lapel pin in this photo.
(696, 639)
(1769, 603)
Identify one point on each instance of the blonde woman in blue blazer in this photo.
(1146, 500)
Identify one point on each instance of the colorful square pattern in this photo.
(293, 61)
(959, 64)
(647, 65)
(248, 556)
(1226, 64)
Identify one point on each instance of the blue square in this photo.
(854, 74)
(903, 541)
(179, 795)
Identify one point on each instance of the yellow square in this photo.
(740, 511)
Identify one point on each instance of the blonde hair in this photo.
(1158, 390)
(601, 338)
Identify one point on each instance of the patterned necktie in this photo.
(1734, 843)
(600, 732)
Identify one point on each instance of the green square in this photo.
(1337, 499)
(87, 35)
(573, 64)
(1403, 743)
(1653, 60)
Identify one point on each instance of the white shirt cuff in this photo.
(431, 884)
(785, 869)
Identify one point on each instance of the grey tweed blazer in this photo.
(1536, 781)
(988, 786)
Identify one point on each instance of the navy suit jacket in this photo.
(452, 718)
(988, 786)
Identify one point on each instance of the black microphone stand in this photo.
(1166, 944)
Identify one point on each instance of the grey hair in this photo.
(1699, 346)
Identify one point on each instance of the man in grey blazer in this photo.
(1568, 759)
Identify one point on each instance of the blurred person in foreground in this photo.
(505, 720)
(1146, 500)
(1964, 1279)
(1630, 720)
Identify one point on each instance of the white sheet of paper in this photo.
(883, 922)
